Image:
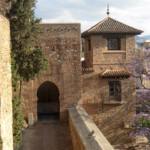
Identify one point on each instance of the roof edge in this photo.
(91, 32)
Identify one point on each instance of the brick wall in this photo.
(61, 46)
(5, 86)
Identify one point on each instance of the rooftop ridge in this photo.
(110, 25)
(98, 23)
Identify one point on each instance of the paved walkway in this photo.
(47, 135)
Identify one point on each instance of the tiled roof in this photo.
(115, 73)
(109, 25)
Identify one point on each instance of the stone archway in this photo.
(48, 100)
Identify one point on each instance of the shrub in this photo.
(17, 121)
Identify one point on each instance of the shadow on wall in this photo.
(48, 100)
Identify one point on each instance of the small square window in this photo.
(113, 44)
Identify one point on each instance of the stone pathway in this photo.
(47, 135)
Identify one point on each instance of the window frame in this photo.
(115, 95)
(110, 39)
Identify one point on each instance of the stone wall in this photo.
(5, 86)
(111, 117)
(61, 46)
(91, 89)
(85, 134)
(101, 58)
(95, 89)
(130, 48)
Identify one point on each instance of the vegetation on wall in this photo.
(27, 58)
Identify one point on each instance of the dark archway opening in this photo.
(48, 101)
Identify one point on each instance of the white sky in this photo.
(135, 13)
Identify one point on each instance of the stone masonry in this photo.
(5, 86)
(100, 58)
(61, 46)
(110, 115)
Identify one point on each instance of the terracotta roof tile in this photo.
(109, 25)
(109, 73)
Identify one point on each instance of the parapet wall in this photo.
(5, 86)
(85, 134)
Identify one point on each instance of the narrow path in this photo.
(47, 135)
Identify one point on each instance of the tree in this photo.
(27, 58)
(139, 67)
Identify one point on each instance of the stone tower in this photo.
(58, 87)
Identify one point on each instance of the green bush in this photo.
(144, 122)
(17, 121)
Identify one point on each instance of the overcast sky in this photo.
(88, 12)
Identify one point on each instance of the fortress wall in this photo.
(95, 96)
(5, 86)
(61, 46)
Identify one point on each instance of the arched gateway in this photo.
(48, 100)
(61, 47)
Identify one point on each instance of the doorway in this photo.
(48, 101)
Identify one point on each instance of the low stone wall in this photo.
(85, 134)
(5, 86)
